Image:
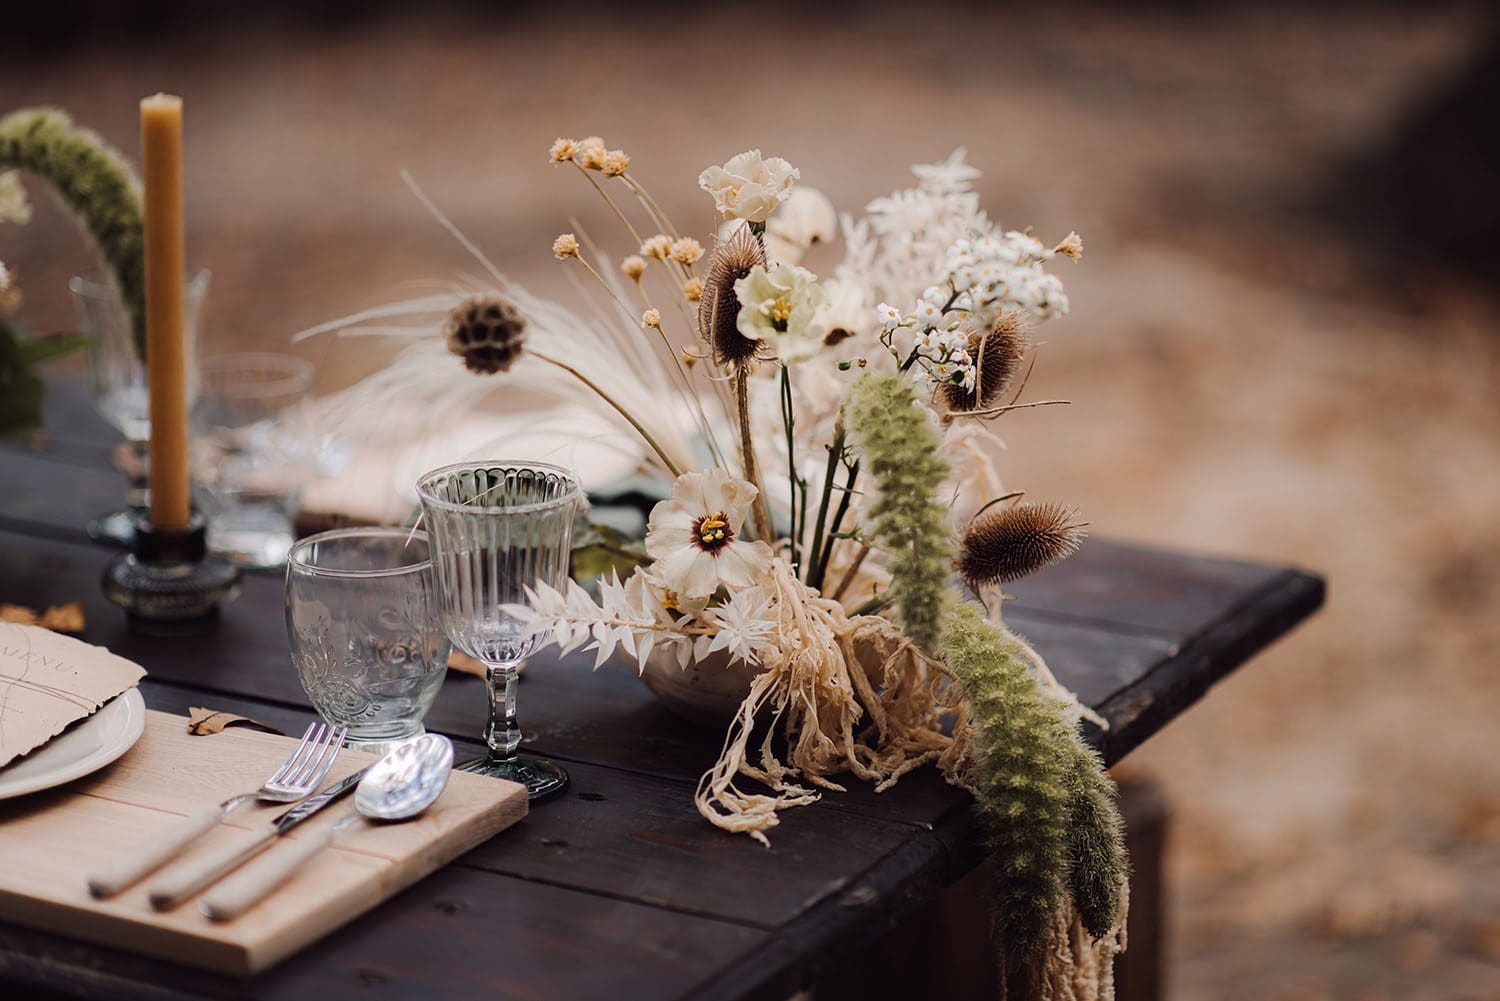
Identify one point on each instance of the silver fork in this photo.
(297, 777)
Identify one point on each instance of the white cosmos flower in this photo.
(781, 308)
(749, 187)
(693, 539)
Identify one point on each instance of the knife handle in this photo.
(202, 871)
(254, 883)
(122, 874)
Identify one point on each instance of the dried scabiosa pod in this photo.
(487, 332)
(719, 307)
(1007, 545)
(998, 354)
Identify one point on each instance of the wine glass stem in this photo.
(503, 734)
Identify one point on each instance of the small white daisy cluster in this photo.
(939, 339)
(993, 274)
(983, 276)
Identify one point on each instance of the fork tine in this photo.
(291, 760)
(330, 754)
(297, 777)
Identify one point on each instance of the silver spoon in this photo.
(397, 787)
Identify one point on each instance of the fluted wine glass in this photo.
(497, 528)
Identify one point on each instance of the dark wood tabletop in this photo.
(617, 888)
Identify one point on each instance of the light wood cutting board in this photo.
(50, 840)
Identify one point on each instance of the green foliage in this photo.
(22, 392)
(98, 186)
(897, 442)
(1026, 799)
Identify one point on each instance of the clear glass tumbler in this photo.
(252, 452)
(362, 618)
(117, 382)
(498, 528)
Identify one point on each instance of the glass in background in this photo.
(361, 615)
(117, 383)
(252, 453)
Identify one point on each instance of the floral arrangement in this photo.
(102, 191)
(829, 444)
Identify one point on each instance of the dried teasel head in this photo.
(1015, 542)
(719, 307)
(487, 332)
(998, 354)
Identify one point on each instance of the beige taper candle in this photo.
(166, 347)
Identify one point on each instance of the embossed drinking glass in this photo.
(497, 529)
(117, 382)
(361, 614)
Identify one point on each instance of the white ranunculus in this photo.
(805, 218)
(781, 308)
(693, 539)
(749, 187)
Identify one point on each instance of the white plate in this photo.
(86, 748)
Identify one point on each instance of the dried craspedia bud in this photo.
(998, 355)
(1007, 545)
(486, 332)
(719, 307)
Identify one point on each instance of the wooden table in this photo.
(618, 888)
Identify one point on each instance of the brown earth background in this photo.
(1282, 343)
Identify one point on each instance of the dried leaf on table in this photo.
(58, 618)
(203, 721)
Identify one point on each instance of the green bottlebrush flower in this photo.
(1096, 838)
(97, 185)
(1025, 773)
(897, 442)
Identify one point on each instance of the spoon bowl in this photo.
(407, 780)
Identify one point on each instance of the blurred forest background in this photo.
(1283, 342)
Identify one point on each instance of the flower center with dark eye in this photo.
(712, 532)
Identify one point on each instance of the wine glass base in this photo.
(541, 778)
(114, 529)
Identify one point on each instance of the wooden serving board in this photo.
(50, 840)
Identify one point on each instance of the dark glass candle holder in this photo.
(169, 584)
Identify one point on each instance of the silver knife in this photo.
(203, 872)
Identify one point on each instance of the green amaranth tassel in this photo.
(97, 185)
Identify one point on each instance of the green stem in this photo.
(835, 451)
(833, 530)
(789, 420)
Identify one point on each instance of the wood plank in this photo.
(458, 935)
(49, 841)
(639, 837)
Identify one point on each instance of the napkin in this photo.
(48, 681)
